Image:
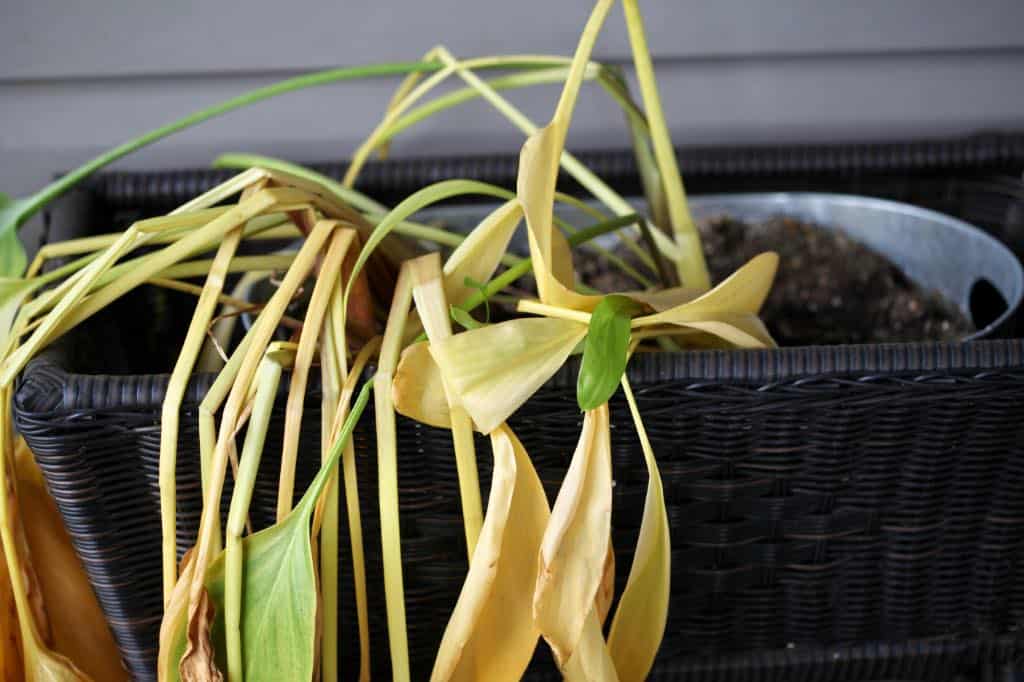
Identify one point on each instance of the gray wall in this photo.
(76, 77)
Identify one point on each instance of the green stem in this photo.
(690, 265)
(456, 97)
(372, 209)
(255, 436)
(58, 187)
(520, 269)
(315, 488)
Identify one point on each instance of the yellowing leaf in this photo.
(538, 172)
(491, 635)
(11, 666)
(664, 299)
(40, 663)
(478, 256)
(590, 662)
(428, 293)
(743, 291)
(81, 634)
(43, 665)
(418, 390)
(743, 330)
(606, 592)
(729, 311)
(562, 267)
(173, 624)
(639, 622)
(495, 369)
(572, 556)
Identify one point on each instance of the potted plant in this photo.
(785, 494)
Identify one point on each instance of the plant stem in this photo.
(538, 308)
(259, 336)
(509, 276)
(263, 405)
(373, 210)
(405, 100)
(691, 266)
(171, 408)
(58, 187)
(583, 175)
(351, 480)
(330, 269)
(387, 475)
(432, 307)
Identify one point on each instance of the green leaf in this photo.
(12, 253)
(605, 351)
(279, 592)
(279, 601)
(463, 318)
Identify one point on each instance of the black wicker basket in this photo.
(840, 513)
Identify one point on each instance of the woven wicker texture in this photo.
(843, 513)
(846, 504)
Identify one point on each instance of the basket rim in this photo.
(981, 150)
(48, 386)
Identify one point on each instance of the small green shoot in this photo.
(463, 318)
(605, 351)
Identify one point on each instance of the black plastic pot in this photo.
(842, 513)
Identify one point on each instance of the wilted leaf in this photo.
(729, 311)
(43, 665)
(663, 299)
(198, 664)
(590, 661)
(606, 592)
(744, 330)
(40, 663)
(575, 547)
(744, 291)
(639, 622)
(279, 597)
(538, 172)
(491, 634)
(479, 255)
(432, 306)
(173, 624)
(11, 667)
(418, 390)
(419, 200)
(496, 368)
(81, 634)
(605, 351)
(538, 175)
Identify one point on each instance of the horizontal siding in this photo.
(45, 39)
(78, 77)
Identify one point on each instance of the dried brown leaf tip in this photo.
(198, 664)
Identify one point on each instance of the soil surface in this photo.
(829, 289)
